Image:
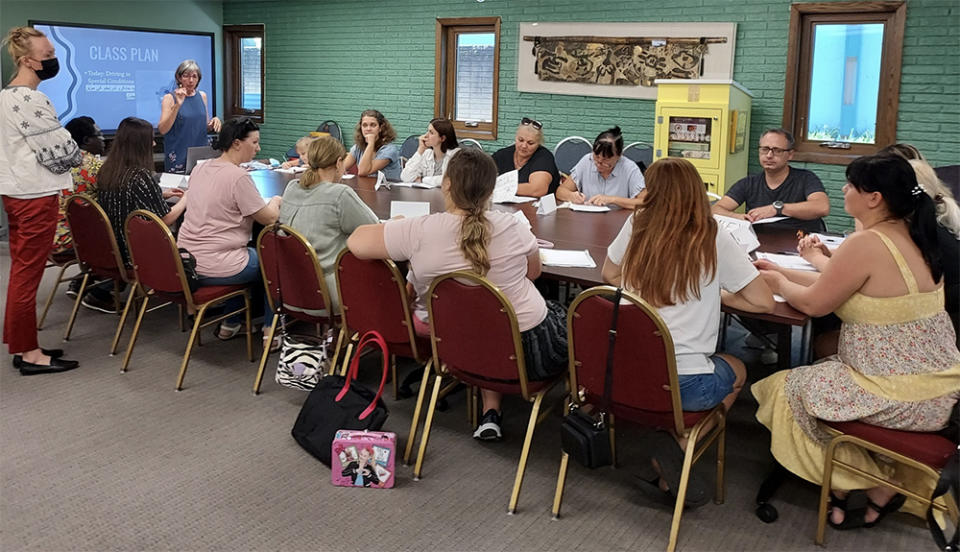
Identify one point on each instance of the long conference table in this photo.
(568, 229)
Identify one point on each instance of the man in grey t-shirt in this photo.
(779, 190)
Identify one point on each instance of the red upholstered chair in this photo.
(63, 261)
(291, 270)
(476, 339)
(95, 245)
(159, 273)
(645, 390)
(373, 297)
(926, 452)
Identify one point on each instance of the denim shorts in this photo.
(704, 391)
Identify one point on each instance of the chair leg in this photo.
(346, 360)
(336, 352)
(266, 353)
(613, 440)
(116, 295)
(393, 374)
(424, 383)
(136, 330)
(682, 490)
(522, 466)
(719, 497)
(246, 306)
(193, 337)
(123, 320)
(431, 410)
(825, 492)
(76, 306)
(53, 292)
(180, 315)
(561, 481)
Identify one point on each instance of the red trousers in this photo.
(33, 222)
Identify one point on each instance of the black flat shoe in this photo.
(852, 519)
(52, 353)
(890, 507)
(56, 365)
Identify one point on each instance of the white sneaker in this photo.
(489, 428)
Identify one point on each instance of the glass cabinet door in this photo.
(693, 134)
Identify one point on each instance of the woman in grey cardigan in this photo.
(325, 212)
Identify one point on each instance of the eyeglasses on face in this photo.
(532, 122)
(776, 151)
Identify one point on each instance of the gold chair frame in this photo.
(441, 370)
(948, 506)
(60, 279)
(322, 286)
(692, 434)
(200, 310)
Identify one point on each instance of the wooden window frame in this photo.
(445, 81)
(233, 101)
(796, 95)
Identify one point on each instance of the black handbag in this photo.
(339, 402)
(949, 483)
(586, 436)
(189, 268)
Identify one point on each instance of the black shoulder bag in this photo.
(586, 436)
(949, 483)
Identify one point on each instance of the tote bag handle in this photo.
(373, 339)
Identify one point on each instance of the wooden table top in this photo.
(566, 229)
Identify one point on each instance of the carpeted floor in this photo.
(97, 460)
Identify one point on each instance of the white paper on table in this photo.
(516, 199)
(741, 231)
(286, 171)
(832, 242)
(170, 180)
(547, 205)
(589, 208)
(571, 258)
(403, 184)
(255, 166)
(769, 220)
(522, 218)
(795, 262)
(409, 209)
(506, 186)
(298, 168)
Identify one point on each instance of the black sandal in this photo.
(852, 519)
(891, 506)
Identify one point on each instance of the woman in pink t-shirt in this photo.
(468, 236)
(222, 204)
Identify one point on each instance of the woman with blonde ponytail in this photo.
(469, 236)
(323, 211)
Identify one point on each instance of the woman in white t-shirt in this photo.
(468, 236)
(672, 254)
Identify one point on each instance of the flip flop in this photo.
(852, 519)
(669, 456)
(226, 332)
(891, 506)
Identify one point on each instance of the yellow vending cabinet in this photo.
(707, 122)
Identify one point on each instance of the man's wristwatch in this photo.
(778, 205)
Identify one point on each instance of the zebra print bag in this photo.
(303, 360)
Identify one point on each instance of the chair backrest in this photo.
(94, 242)
(640, 153)
(474, 331)
(570, 151)
(373, 296)
(644, 370)
(332, 128)
(199, 153)
(409, 147)
(470, 143)
(292, 272)
(153, 253)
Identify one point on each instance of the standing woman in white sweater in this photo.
(36, 155)
(434, 150)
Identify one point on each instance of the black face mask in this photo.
(50, 68)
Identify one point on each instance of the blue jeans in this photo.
(700, 392)
(249, 275)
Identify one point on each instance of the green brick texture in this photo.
(331, 59)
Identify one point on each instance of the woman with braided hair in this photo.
(494, 244)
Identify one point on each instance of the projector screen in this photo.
(110, 73)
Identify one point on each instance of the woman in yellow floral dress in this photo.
(897, 365)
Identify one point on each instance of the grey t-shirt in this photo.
(798, 186)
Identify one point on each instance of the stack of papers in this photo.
(741, 231)
(170, 180)
(832, 242)
(409, 209)
(795, 262)
(567, 258)
(587, 208)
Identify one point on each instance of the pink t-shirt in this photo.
(219, 218)
(430, 243)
